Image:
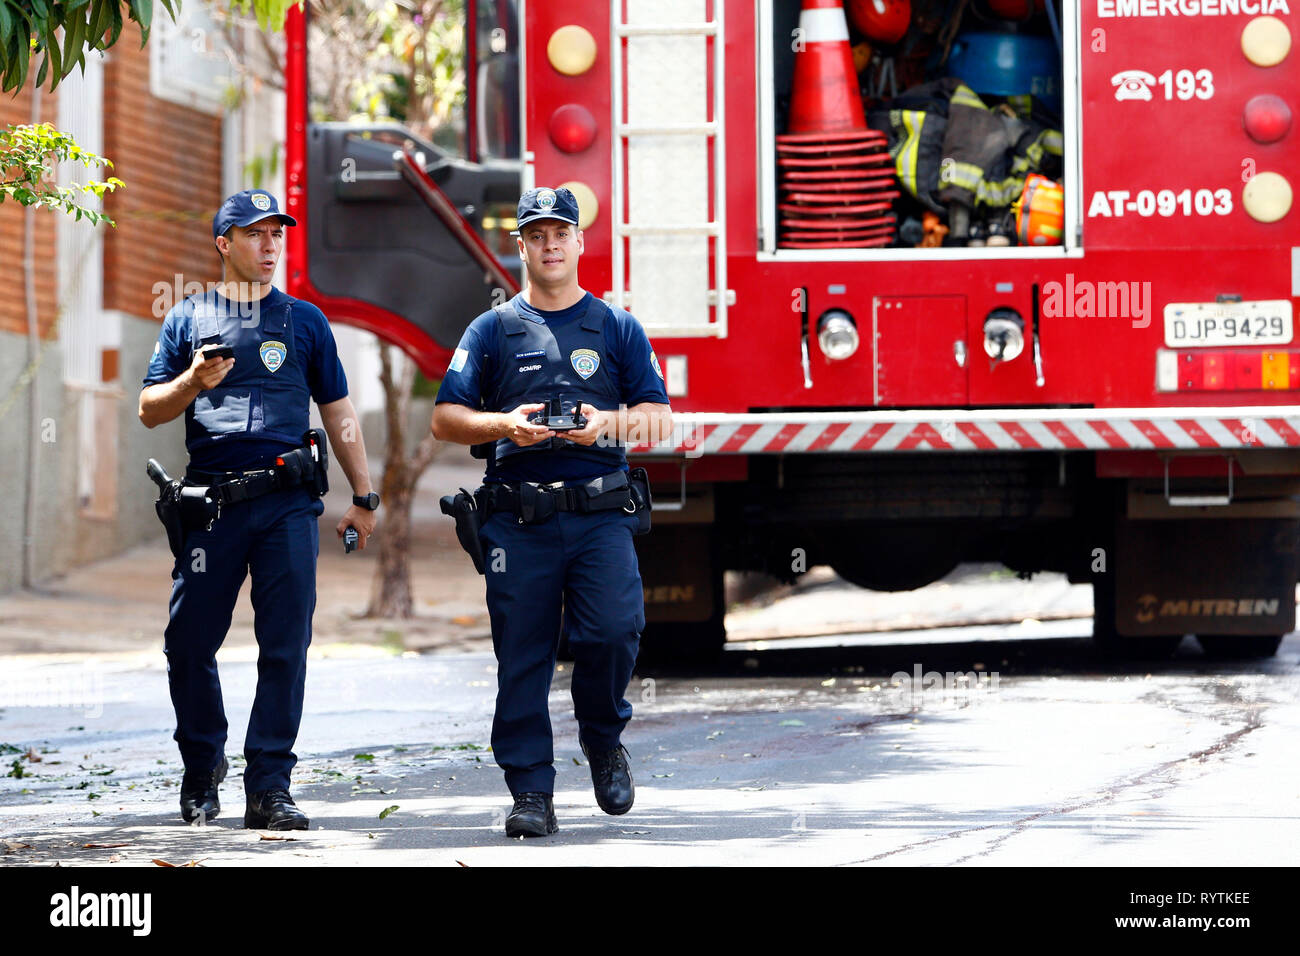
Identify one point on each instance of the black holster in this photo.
(469, 522)
(310, 463)
(168, 507)
(639, 483)
(183, 508)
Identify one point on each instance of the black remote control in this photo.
(555, 419)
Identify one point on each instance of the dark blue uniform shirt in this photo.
(474, 374)
(313, 355)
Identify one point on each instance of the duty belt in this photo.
(532, 502)
(230, 487)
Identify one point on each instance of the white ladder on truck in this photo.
(718, 297)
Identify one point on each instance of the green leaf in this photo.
(6, 23)
(114, 23)
(99, 23)
(52, 52)
(74, 39)
(388, 811)
(23, 61)
(366, 757)
(142, 13)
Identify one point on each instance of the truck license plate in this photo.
(1198, 324)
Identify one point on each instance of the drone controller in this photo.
(553, 417)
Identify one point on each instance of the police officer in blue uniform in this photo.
(245, 416)
(558, 518)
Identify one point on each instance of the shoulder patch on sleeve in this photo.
(458, 360)
(654, 363)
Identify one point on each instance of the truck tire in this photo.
(1239, 647)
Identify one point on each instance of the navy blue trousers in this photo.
(582, 569)
(274, 539)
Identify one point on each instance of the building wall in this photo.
(93, 498)
(170, 157)
(17, 110)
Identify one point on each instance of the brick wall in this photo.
(170, 158)
(16, 110)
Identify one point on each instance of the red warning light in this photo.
(1267, 118)
(572, 128)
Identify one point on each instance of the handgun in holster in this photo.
(181, 507)
(463, 507)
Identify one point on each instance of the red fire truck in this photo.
(1120, 406)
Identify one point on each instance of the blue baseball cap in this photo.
(544, 203)
(246, 208)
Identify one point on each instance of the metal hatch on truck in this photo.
(372, 238)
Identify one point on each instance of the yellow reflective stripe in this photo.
(906, 161)
(965, 175)
(999, 194)
(965, 96)
(1053, 142)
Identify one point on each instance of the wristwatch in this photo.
(370, 502)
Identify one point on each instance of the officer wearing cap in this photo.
(242, 362)
(557, 535)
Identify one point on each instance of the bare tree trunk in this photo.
(390, 590)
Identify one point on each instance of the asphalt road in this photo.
(812, 755)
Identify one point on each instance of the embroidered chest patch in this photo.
(585, 362)
(273, 355)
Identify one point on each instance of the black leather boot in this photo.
(612, 779)
(199, 794)
(533, 816)
(273, 810)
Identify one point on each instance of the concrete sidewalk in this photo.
(120, 604)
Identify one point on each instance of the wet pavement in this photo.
(929, 749)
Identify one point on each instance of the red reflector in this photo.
(572, 128)
(279, 461)
(1245, 368)
(1239, 371)
(1212, 373)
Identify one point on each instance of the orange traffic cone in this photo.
(824, 97)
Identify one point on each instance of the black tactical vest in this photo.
(266, 394)
(537, 363)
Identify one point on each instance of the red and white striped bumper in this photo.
(697, 434)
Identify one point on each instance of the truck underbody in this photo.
(1165, 558)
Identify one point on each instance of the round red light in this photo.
(1267, 118)
(572, 128)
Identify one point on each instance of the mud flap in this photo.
(685, 604)
(1205, 576)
